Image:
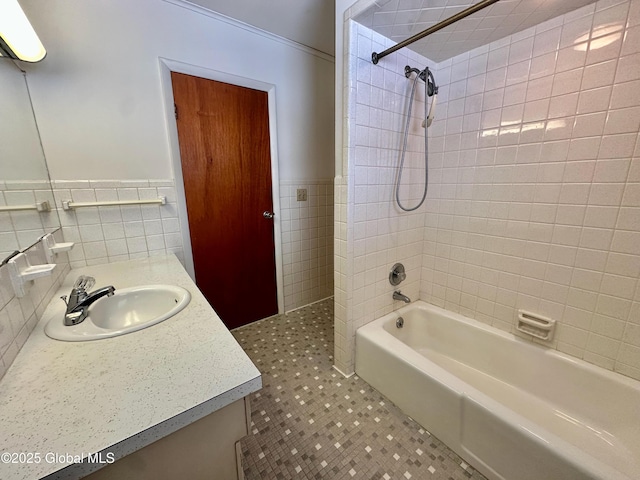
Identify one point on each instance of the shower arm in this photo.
(425, 75)
(375, 57)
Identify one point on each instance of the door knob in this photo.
(268, 214)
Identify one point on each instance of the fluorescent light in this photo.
(18, 39)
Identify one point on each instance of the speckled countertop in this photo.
(118, 394)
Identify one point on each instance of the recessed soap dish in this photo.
(536, 325)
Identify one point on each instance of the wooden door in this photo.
(223, 131)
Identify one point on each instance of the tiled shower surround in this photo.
(534, 197)
(372, 234)
(537, 183)
(115, 233)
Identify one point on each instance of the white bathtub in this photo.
(513, 410)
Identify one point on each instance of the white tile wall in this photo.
(534, 184)
(108, 234)
(536, 171)
(307, 242)
(115, 233)
(19, 316)
(374, 235)
(19, 230)
(341, 276)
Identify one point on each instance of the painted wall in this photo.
(22, 157)
(100, 108)
(98, 96)
(536, 167)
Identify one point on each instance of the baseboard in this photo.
(308, 304)
(342, 373)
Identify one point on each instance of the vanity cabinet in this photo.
(206, 449)
(167, 402)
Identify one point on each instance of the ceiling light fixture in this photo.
(18, 39)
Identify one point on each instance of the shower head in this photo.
(426, 76)
(432, 90)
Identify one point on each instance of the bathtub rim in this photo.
(544, 349)
(375, 333)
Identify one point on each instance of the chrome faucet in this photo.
(79, 299)
(399, 296)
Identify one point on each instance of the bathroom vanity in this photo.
(167, 401)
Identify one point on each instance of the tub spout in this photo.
(399, 296)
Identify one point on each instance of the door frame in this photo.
(166, 67)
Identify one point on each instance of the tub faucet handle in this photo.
(397, 275)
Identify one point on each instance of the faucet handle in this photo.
(89, 283)
(397, 275)
(64, 299)
(84, 282)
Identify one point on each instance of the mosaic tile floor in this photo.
(309, 422)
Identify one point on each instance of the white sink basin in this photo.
(128, 310)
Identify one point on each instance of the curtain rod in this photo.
(375, 57)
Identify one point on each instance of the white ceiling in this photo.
(311, 22)
(308, 22)
(401, 19)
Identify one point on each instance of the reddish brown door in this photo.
(223, 132)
